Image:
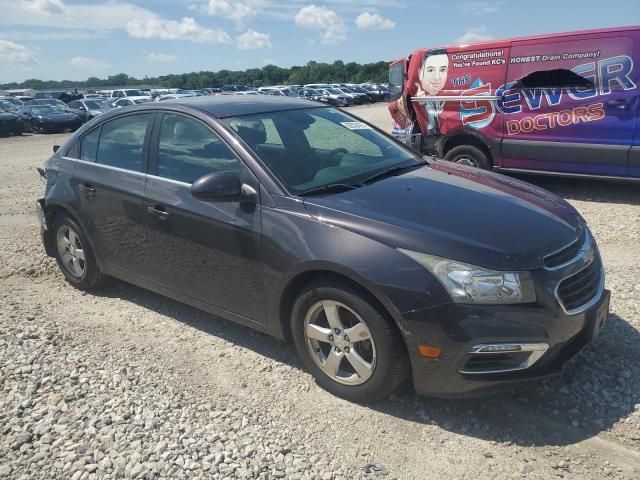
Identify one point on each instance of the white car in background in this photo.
(125, 102)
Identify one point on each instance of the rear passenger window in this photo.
(122, 142)
(89, 145)
(73, 151)
(188, 149)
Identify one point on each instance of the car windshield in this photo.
(333, 91)
(97, 104)
(45, 109)
(312, 148)
(141, 100)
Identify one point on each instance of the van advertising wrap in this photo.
(481, 74)
(566, 102)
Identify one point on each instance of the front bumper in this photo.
(456, 329)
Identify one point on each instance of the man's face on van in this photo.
(433, 75)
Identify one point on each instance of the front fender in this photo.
(294, 243)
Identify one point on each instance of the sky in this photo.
(74, 40)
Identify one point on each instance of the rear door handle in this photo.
(616, 103)
(159, 212)
(87, 189)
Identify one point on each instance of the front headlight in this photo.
(470, 284)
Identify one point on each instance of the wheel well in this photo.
(52, 212)
(298, 283)
(466, 139)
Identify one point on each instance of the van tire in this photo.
(470, 156)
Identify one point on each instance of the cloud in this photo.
(111, 15)
(45, 7)
(373, 20)
(88, 63)
(473, 35)
(185, 29)
(239, 12)
(161, 57)
(60, 34)
(480, 8)
(321, 18)
(251, 40)
(15, 53)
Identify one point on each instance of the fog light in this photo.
(429, 352)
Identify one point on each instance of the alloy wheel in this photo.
(340, 342)
(71, 251)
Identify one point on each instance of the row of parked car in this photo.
(51, 112)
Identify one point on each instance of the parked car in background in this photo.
(16, 110)
(51, 119)
(557, 104)
(92, 106)
(172, 96)
(229, 88)
(11, 122)
(301, 221)
(49, 94)
(125, 102)
(83, 114)
(336, 97)
(128, 93)
(358, 98)
(12, 100)
(379, 92)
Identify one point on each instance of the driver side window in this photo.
(188, 149)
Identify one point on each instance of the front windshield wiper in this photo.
(392, 171)
(331, 188)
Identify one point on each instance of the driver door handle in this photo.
(158, 212)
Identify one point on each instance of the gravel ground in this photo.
(123, 383)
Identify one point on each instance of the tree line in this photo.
(312, 72)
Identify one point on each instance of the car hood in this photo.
(474, 216)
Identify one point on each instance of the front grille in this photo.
(579, 288)
(566, 254)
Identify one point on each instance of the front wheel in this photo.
(468, 155)
(349, 345)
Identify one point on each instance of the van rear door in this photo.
(570, 104)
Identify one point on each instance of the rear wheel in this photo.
(468, 155)
(349, 345)
(74, 255)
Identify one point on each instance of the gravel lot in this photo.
(123, 383)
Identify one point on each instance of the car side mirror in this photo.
(223, 187)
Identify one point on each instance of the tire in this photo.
(383, 352)
(470, 156)
(82, 273)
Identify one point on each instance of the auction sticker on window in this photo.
(355, 125)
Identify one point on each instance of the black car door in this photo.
(110, 181)
(208, 251)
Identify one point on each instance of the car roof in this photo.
(224, 106)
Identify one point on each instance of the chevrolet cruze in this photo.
(301, 221)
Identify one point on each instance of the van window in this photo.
(122, 141)
(553, 79)
(396, 80)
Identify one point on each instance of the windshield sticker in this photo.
(355, 125)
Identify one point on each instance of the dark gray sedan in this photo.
(296, 219)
